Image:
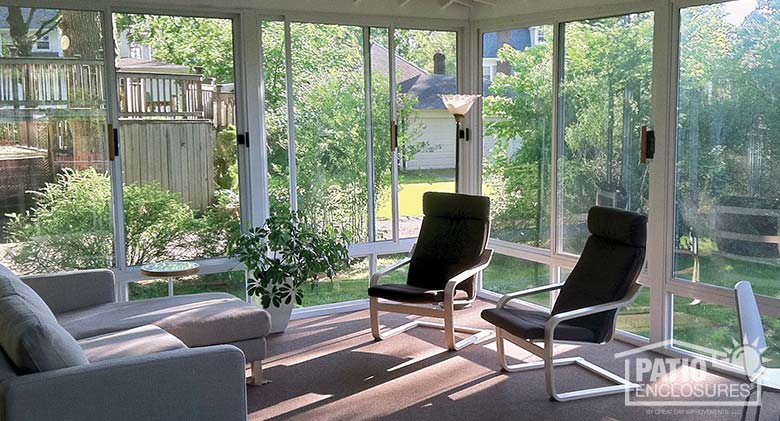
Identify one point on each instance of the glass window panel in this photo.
(604, 102)
(330, 133)
(55, 183)
(509, 274)
(634, 318)
(397, 276)
(426, 67)
(727, 207)
(716, 327)
(517, 124)
(178, 136)
(233, 282)
(347, 285)
(380, 118)
(275, 85)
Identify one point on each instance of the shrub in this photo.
(226, 159)
(71, 227)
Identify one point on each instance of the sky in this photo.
(737, 10)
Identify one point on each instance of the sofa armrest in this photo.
(187, 384)
(66, 291)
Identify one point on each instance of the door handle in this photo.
(113, 142)
(648, 145)
(393, 135)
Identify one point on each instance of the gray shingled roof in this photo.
(427, 88)
(380, 63)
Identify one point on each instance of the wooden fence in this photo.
(176, 154)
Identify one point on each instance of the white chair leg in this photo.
(549, 363)
(449, 327)
(374, 314)
(376, 329)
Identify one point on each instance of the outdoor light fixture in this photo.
(459, 106)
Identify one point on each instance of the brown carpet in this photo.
(330, 368)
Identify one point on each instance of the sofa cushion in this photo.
(10, 284)
(29, 334)
(196, 319)
(7, 370)
(143, 340)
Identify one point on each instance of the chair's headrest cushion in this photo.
(618, 225)
(455, 205)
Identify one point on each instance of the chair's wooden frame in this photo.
(444, 310)
(546, 353)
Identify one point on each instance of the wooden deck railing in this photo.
(65, 83)
(46, 82)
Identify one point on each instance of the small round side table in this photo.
(170, 271)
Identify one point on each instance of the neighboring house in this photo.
(46, 46)
(437, 125)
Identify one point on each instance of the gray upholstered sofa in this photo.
(71, 351)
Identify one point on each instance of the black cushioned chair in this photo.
(449, 253)
(602, 282)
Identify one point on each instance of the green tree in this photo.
(188, 41)
(605, 98)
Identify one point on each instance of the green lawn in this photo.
(230, 282)
(715, 326)
(411, 187)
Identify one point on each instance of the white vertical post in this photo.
(662, 172)
(115, 166)
(368, 98)
(393, 121)
(290, 115)
(252, 156)
(469, 79)
(556, 146)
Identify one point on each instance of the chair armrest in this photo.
(530, 291)
(199, 383)
(555, 320)
(66, 291)
(395, 266)
(484, 261)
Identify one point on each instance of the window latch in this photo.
(648, 145)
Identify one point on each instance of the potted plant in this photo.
(284, 255)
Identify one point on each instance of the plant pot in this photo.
(280, 316)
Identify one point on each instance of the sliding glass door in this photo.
(517, 75)
(543, 166)
(426, 68)
(727, 195)
(178, 138)
(55, 173)
(604, 100)
(334, 96)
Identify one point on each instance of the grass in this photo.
(411, 187)
(715, 326)
(230, 282)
